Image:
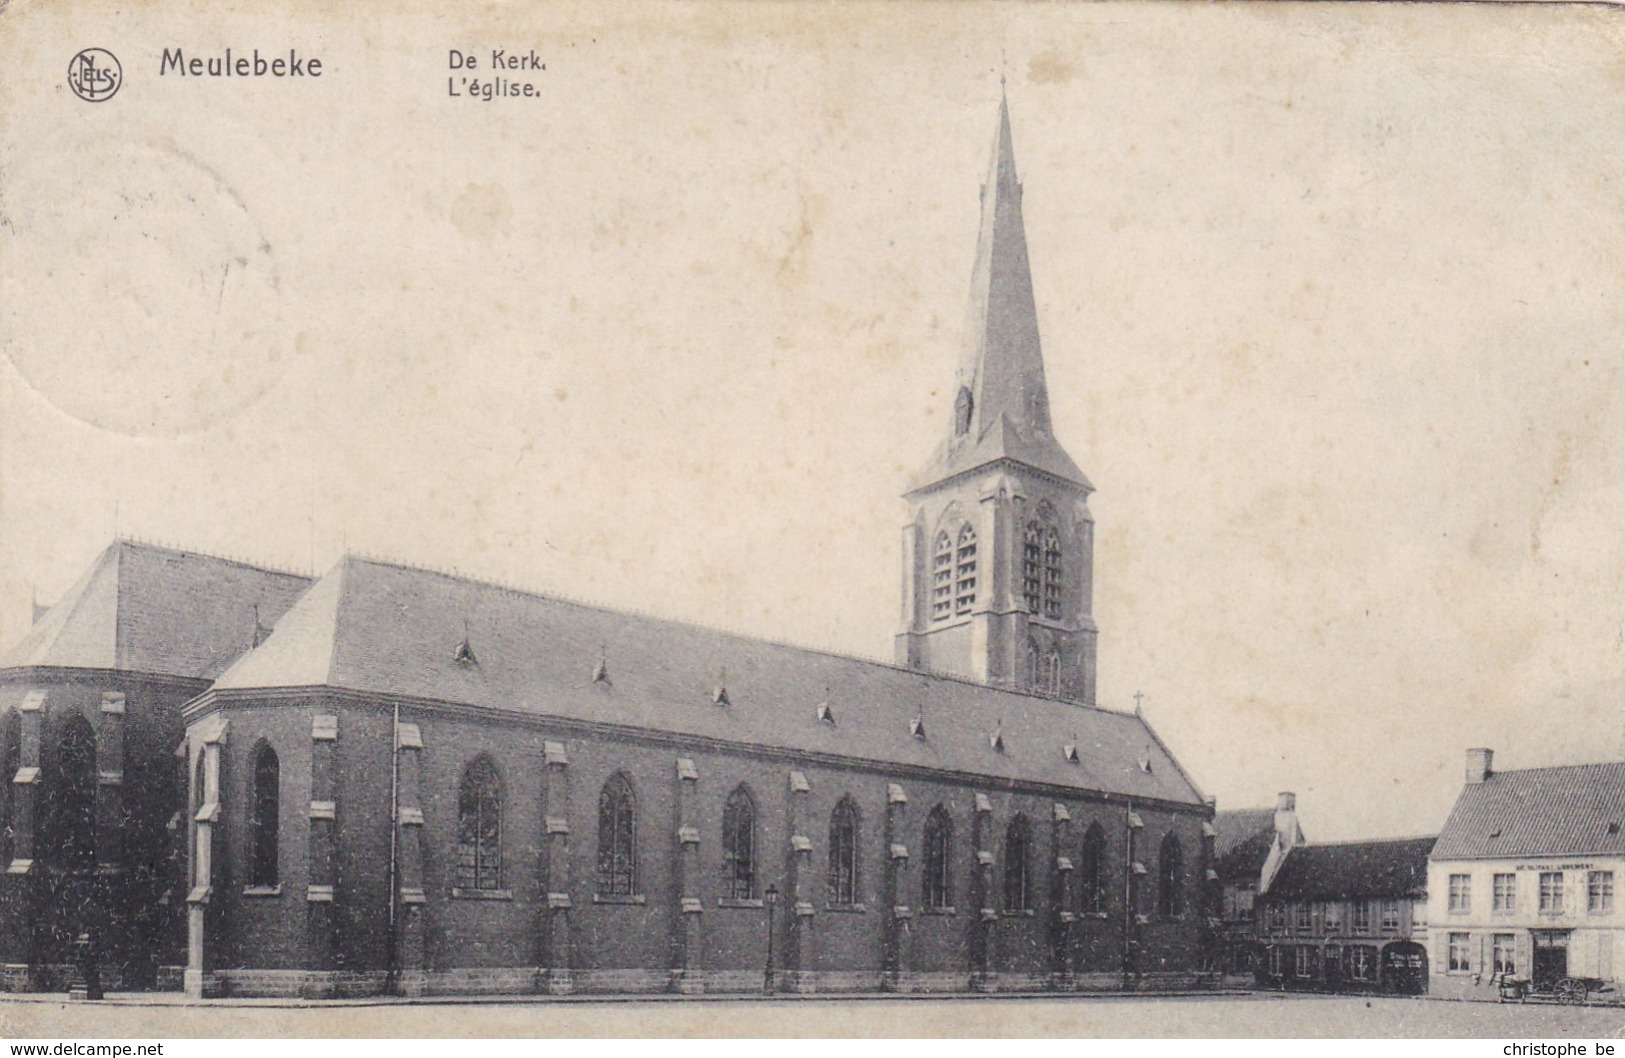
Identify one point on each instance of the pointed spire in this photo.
(1001, 400)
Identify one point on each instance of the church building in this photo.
(390, 780)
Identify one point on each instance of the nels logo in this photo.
(95, 75)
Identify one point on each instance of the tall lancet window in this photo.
(1032, 566)
(74, 796)
(1170, 876)
(265, 823)
(1092, 871)
(965, 571)
(739, 846)
(963, 406)
(942, 578)
(617, 838)
(479, 827)
(936, 881)
(1052, 573)
(843, 853)
(1018, 844)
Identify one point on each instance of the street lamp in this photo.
(772, 895)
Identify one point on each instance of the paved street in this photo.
(137, 1018)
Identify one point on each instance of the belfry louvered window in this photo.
(479, 827)
(1052, 574)
(1032, 567)
(965, 571)
(942, 578)
(617, 838)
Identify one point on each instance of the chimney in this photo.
(1286, 819)
(1478, 764)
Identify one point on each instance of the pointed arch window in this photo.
(1051, 682)
(265, 822)
(1092, 871)
(965, 571)
(617, 838)
(844, 830)
(479, 827)
(964, 404)
(74, 796)
(1035, 667)
(1170, 875)
(1018, 845)
(11, 730)
(942, 577)
(936, 880)
(739, 846)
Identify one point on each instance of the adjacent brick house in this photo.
(1348, 917)
(1251, 845)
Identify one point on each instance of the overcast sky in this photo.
(1331, 300)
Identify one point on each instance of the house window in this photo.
(1032, 567)
(1458, 952)
(1170, 877)
(1092, 871)
(942, 578)
(267, 815)
(1333, 913)
(1334, 960)
(617, 838)
(1303, 917)
(1551, 892)
(739, 846)
(1277, 959)
(479, 827)
(843, 853)
(73, 795)
(1052, 574)
(1503, 949)
(1460, 894)
(936, 889)
(1504, 895)
(1303, 963)
(1600, 892)
(1362, 965)
(1277, 916)
(1361, 916)
(1390, 915)
(1018, 865)
(965, 571)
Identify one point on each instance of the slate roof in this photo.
(1002, 364)
(385, 629)
(1350, 869)
(1245, 836)
(1577, 810)
(149, 609)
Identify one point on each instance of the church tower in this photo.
(998, 555)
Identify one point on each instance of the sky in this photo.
(1330, 298)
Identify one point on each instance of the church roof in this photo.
(1001, 370)
(384, 629)
(149, 609)
(1577, 810)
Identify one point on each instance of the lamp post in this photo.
(772, 895)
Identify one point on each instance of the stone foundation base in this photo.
(53, 977)
(540, 981)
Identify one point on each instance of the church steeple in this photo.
(998, 575)
(1001, 401)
